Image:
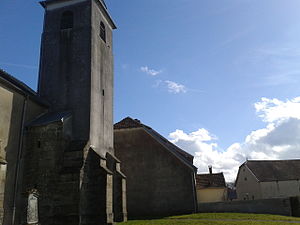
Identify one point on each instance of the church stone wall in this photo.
(52, 166)
(101, 133)
(16, 109)
(158, 183)
(66, 64)
(79, 76)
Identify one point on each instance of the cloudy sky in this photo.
(221, 79)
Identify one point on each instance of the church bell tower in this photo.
(69, 151)
(76, 67)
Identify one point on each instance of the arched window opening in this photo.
(66, 20)
(102, 32)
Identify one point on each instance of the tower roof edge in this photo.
(101, 3)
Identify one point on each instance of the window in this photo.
(245, 178)
(66, 20)
(102, 31)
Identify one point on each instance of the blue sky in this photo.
(187, 65)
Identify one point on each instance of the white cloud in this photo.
(171, 86)
(280, 139)
(175, 88)
(272, 110)
(149, 71)
(199, 135)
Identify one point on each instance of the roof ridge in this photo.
(272, 160)
(128, 122)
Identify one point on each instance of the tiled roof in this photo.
(210, 180)
(129, 123)
(275, 170)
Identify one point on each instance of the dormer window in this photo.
(102, 31)
(66, 20)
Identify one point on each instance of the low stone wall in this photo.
(277, 206)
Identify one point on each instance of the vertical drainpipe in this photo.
(18, 162)
(194, 192)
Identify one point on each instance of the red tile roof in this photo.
(210, 180)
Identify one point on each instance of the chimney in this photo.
(210, 169)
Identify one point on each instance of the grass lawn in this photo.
(219, 219)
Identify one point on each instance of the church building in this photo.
(57, 161)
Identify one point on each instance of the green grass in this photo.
(223, 219)
(240, 216)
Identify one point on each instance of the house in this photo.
(211, 187)
(160, 176)
(264, 179)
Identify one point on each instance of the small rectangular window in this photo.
(39, 144)
(102, 32)
(66, 20)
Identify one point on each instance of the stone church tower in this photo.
(68, 160)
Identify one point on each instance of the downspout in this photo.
(19, 155)
(194, 192)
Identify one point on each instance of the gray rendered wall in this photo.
(247, 186)
(158, 184)
(279, 206)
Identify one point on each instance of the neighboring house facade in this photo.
(160, 176)
(263, 179)
(211, 187)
